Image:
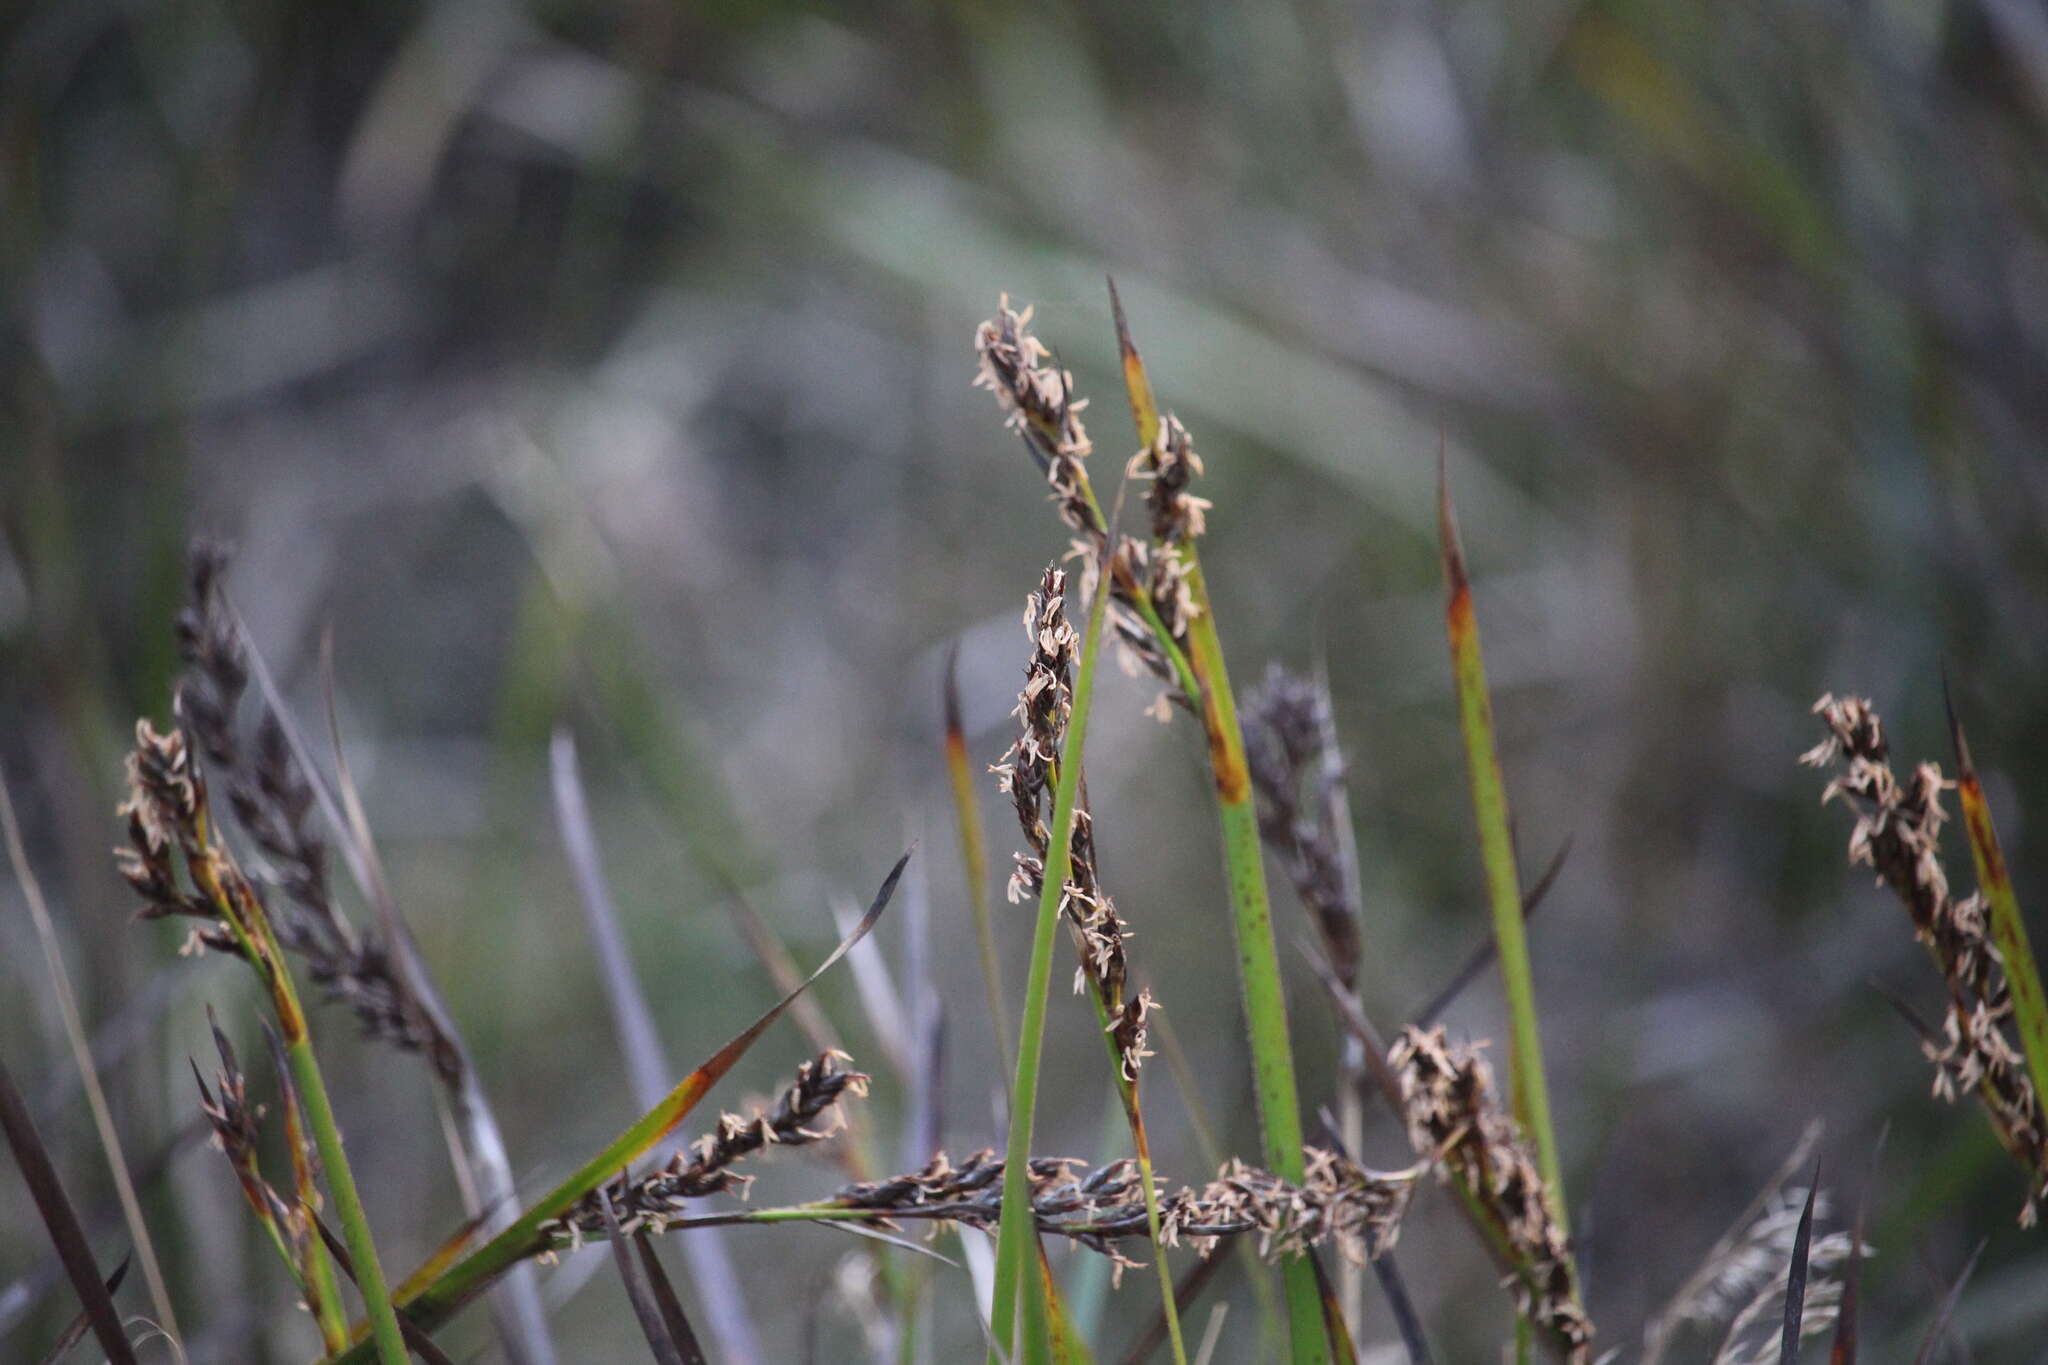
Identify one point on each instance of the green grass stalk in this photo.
(1014, 1238)
(1497, 851)
(1258, 959)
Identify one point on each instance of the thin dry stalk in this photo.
(1898, 834)
(1455, 1119)
(88, 1070)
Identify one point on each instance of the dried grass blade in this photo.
(430, 1306)
(646, 1311)
(1490, 810)
(2022, 973)
(88, 1072)
(1407, 1322)
(974, 855)
(1069, 1347)
(316, 1271)
(75, 1330)
(665, 1299)
(1795, 1276)
(1946, 1313)
(61, 1221)
(1333, 1314)
(647, 1063)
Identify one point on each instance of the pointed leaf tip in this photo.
(1795, 1276)
(949, 692)
(1452, 546)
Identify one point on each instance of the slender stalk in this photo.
(88, 1072)
(1258, 958)
(1014, 1234)
(348, 1208)
(225, 887)
(1497, 851)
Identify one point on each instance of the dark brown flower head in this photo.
(1339, 1202)
(1178, 516)
(1455, 1120)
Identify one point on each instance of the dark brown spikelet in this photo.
(272, 800)
(1026, 773)
(1898, 834)
(806, 1113)
(1295, 780)
(1341, 1202)
(1456, 1120)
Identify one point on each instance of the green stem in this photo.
(348, 1207)
(1258, 959)
(1014, 1239)
(1497, 851)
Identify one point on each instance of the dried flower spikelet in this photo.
(1128, 1029)
(806, 1113)
(1454, 1117)
(1038, 400)
(1047, 699)
(1170, 462)
(1898, 835)
(1340, 1202)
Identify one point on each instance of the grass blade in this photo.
(974, 855)
(1946, 1313)
(88, 1072)
(1795, 1276)
(667, 1303)
(1496, 840)
(1258, 959)
(75, 1330)
(61, 1221)
(1014, 1229)
(416, 1341)
(647, 1063)
(430, 1300)
(2023, 975)
(653, 1325)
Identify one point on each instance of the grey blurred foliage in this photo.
(609, 365)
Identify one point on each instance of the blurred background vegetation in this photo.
(608, 366)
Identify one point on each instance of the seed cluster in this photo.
(1455, 1120)
(1026, 772)
(1898, 834)
(804, 1114)
(1357, 1209)
(1037, 400)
